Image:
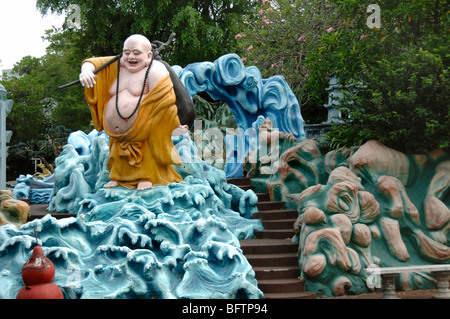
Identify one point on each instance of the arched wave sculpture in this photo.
(251, 99)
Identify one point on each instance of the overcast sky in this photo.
(21, 29)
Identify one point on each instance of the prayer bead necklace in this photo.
(140, 97)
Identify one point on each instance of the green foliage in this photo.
(279, 37)
(404, 24)
(404, 105)
(38, 104)
(403, 65)
(28, 118)
(204, 28)
(42, 115)
(402, 70)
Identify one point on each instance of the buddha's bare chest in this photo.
(122, 108)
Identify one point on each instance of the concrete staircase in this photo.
(272, 254)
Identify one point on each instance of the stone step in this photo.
(263, 197)
(279, 224)
(244, 183)
(246, 187)
(238, 181)
(268, 205)
(40, 210)
(291, 295)
(279, 259)
(276, 214)
(276, 272)
(268, 246)
(274, 233)
(281, 285)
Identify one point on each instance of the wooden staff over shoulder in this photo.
(117, 57)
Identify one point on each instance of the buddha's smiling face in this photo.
(137, 54)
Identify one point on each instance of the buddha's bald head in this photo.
(137, 52)
(137, 39)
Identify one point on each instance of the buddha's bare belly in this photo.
(127, 104)
(129, 92)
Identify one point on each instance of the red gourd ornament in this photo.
(37, 274)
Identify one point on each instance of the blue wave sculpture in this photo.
(175, 241)
(249, 97)
(244, 90)
(36, 190)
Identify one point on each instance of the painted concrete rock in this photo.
(368, 206)
(13, 212)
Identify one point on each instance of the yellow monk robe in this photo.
(146, 151)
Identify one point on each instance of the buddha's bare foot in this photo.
(111, 184)
(144, 185)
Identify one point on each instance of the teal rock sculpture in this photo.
(174, 241)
